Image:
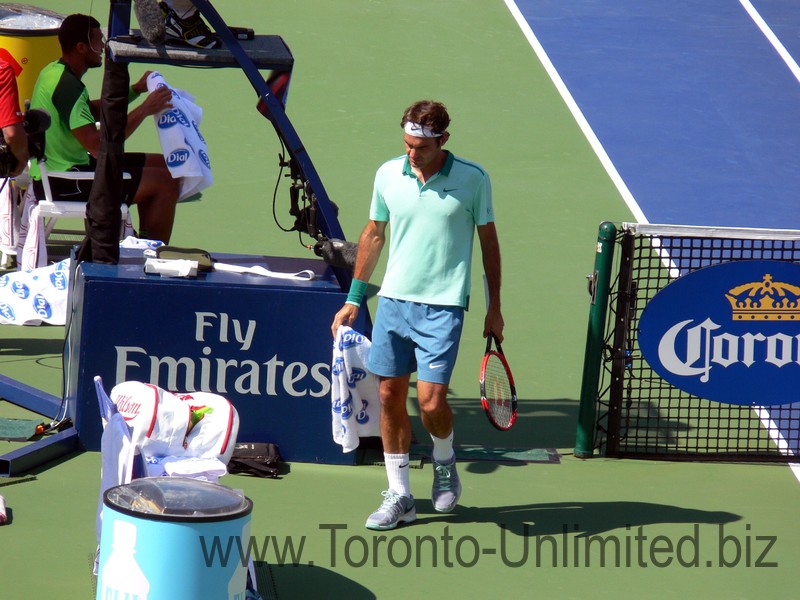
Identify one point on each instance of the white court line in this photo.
(576, 113)
(777, 437)
(772, 38)
(763, 414)
(605, 160)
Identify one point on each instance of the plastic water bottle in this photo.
(121, 577)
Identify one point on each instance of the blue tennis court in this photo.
(691, 106)
(694, 106)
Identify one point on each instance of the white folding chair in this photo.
(39, 217)
(51, 210)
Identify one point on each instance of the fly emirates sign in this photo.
(728, 333)
(228, 359)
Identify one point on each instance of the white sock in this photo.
(397, 471)
(443, 448)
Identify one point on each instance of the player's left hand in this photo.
(140, 87)
(494, 323)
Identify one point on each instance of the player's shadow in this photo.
(581, 518)
(541, 423)
(306, 581)
(31, 347)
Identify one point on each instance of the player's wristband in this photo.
(357, 290)
(132, 94)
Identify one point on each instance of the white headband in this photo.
(421, 131)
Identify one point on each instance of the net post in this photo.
(595, 335)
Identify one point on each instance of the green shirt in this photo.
(432, 228)
(62, 94)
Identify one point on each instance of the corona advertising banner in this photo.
(728, 333)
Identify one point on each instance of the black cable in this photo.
(282, 164)
(305, 202)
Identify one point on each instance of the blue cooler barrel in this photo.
(173, 538)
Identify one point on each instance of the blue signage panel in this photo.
(728, 333)
(265, 344)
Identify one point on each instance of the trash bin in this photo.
(28, 40)
(174, 538)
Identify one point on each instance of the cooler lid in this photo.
(24, 19)
(177, 498)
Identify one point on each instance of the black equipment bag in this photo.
(255, 458)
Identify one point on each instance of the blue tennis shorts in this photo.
(409, 336)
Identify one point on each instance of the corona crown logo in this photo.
(766, 300)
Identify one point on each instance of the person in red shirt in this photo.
(12, 118)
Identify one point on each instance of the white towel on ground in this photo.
(185, 149)
(355, 398)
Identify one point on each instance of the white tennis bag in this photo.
(196, 424)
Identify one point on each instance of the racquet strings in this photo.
(497, 390)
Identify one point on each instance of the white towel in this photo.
(9, 217)
(184, 147)
(205, 469)
(35, 297)
(31, 243)
(355, 399)
(116, 466)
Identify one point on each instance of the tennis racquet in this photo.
(498, 394)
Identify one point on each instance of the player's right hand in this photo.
(346, 316)
(158, 100)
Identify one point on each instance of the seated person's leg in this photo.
(184, 23)
(154, 192)
(151, 187)
(76, 190)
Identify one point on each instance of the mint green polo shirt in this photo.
(432, 228)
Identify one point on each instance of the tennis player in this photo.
(433, 202)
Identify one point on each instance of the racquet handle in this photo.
(489, 338)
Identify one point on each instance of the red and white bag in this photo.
(197, 424)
